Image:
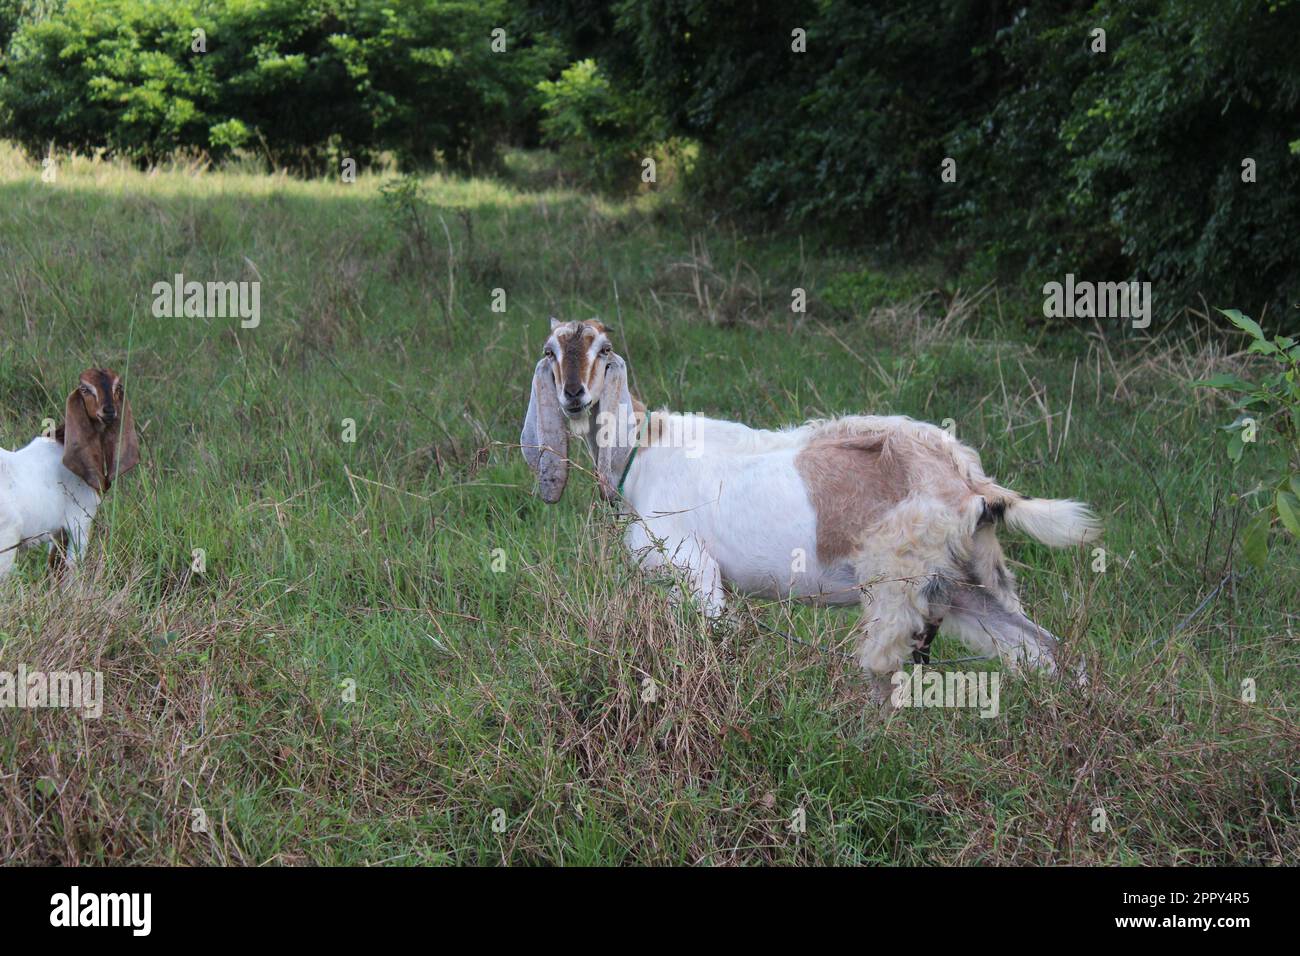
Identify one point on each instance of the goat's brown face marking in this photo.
(578, 353)
(102, 395)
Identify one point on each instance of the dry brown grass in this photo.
(722, 295)
(119, 788)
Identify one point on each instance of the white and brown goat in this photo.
(886, 511)
(51, 488)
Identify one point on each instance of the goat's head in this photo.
(580, 385)
(98, 433)
(577, 354)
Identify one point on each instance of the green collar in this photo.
(641, 431)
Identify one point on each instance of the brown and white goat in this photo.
(888, 512)
(51, 489)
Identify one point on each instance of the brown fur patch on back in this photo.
(852, 483)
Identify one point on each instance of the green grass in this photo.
(521, 691)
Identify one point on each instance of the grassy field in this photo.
(518, 690)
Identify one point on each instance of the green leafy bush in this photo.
(303, 81)
(1157, 140)
(597, 129)
(15, 12)
(111, 75)
(1123, 164)
(1269, 406)
(328, 78)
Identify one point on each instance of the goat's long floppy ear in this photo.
(545, 439)
(121, 447)
(83, 453)
(615, 427)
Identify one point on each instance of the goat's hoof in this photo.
(881, 689)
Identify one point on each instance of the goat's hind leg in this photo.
(893, 616)
(985, 625)
(980, 607)
(900, 564)
(922, 641)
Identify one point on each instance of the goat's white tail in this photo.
(1056, 522)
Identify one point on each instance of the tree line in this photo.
(1133, 140)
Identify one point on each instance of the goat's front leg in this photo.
(75, 539)
(688, 557)
(9, 538)
(56, 551)
(706, 582)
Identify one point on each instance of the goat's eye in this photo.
(605, 350)
(85, 390)
(549, 353)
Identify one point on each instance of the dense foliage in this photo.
(599, 130)
(1273, 399)
(299, 82)
(1117, 163)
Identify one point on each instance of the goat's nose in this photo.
(573, 391)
